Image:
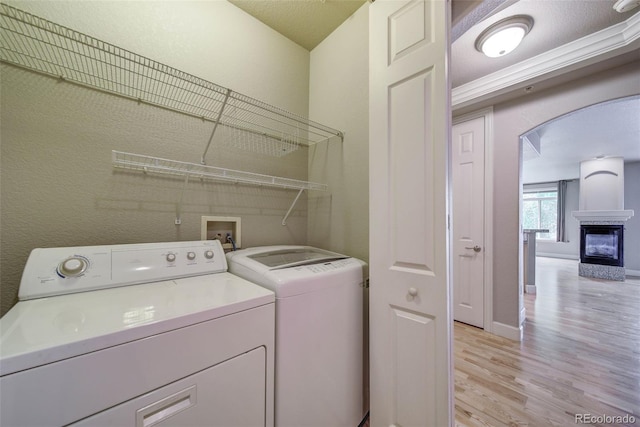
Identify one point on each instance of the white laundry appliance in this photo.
(137, 335)
(319, 331)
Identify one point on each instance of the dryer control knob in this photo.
(72, 267)
(208, 254)
(191, 256)
(171, 257)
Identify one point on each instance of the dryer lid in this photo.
(292, 257)
(46, 330)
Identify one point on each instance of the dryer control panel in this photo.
(55, 271)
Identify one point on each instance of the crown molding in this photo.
(601, 45)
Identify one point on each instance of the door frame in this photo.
(487, 113)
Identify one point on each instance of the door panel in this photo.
(468, 221)
(411, 189)
(408, 29)
(410, 316)
(414, 351)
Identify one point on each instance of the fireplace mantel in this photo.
(593, 215)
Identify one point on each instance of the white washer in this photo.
(319, 331)
(187, 344)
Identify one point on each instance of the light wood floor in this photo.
(580, 354)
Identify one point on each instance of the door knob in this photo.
(476, 248)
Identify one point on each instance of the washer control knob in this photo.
(191, 256)
(208, 254)
(72, 266)
(171, 257)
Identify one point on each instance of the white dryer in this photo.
(319, 331)
(137, 335)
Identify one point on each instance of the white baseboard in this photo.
(635, 273)
(530, 289)
(507, 331)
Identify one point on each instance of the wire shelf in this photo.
(255, 143)
(34, 43)
(149, 164)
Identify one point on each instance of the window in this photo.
(540, 210)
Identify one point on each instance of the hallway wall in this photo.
(512, 119)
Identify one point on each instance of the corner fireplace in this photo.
(602, 244)
(602, 216)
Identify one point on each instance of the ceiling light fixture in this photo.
(504, 36)
(623, 6)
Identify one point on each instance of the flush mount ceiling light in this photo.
(504, 36)
(623, 6)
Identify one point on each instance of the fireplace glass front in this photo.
(602, 244)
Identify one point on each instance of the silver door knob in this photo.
(476, 248)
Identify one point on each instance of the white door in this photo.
(467, 153)
(410, 315)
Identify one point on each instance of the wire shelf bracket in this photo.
(284, 220)
(215, 126)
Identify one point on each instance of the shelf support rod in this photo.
(284, 220)
(215, 126)
(179, 207)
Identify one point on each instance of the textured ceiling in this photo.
(306, 22)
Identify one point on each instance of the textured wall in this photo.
(339, 95)
(211, 39)
(58, 185)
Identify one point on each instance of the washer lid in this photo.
(47, 330)
(294, 256)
